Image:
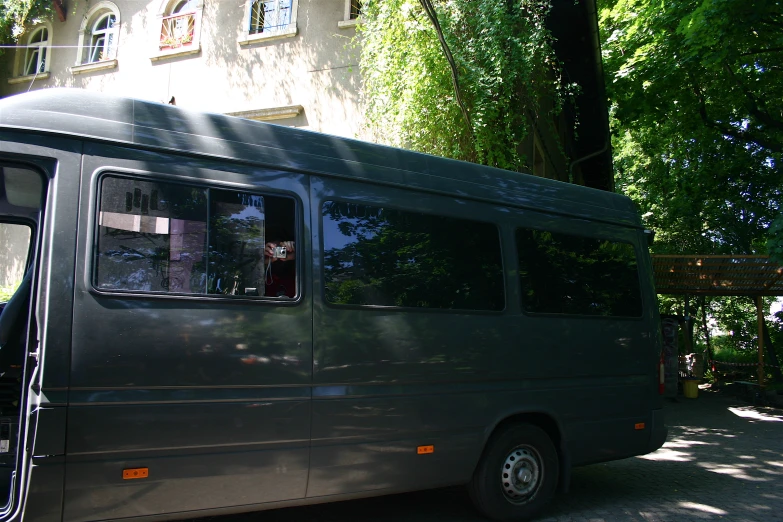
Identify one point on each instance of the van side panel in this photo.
(211, 395)
(607, 364)
(388, 380)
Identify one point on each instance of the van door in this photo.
(190, 375)
(38, 191)
(410, 310)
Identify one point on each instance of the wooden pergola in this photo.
(714, 275)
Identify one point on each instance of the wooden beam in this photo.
(59, 8)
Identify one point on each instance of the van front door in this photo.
(36, 272)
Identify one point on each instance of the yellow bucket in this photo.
(690, 388)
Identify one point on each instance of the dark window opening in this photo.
(356, 9)
(385, 257)
(568, 274)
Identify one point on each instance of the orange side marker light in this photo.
(423, 450)
(638, 426)
(135, 473)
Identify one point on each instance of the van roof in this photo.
(96, 116)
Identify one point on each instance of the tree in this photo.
(504, 65)
(15, 14)
(696, 89)
(697, 94)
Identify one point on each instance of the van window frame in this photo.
(455, 311)
(94, 230)
(590, 317)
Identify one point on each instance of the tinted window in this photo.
(567, 274)
(386, 257)
(173, 238)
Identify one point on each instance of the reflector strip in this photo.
(423, 450)
(639, 426)
(135, 473)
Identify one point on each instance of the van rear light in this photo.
(660, 376)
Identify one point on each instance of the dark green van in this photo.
(210, 315)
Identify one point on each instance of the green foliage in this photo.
(775, 241)
(506, 68)
(725, 351)
(697, 92)
(7, 292)
(697, 118)
(16, 14)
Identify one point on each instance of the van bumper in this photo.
(658, 431)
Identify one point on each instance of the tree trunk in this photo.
(706, 330)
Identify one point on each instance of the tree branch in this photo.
(739, 134)
(432, 15)
(755, 106)
(755, 51)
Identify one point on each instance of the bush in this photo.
(6, 293)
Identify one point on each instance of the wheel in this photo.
(517, 474)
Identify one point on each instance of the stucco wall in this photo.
(315, 69)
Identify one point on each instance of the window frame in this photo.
(86, 46)
(166, 11)
(600, 237)
(456, 311)
(287, 31)
(349, 20)
(98, 34)
(91, 257)
(21, 59)
(41, 47)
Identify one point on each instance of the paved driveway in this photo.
(723, 460)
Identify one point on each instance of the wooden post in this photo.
(688, 325)
(760, 317)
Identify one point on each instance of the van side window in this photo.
(180, 239)
(567, 274)
(14, 249)
(385, 257)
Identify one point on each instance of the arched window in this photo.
(103, 37)
(36, 55)
(179, 29)
(185, 6)
(98, 38)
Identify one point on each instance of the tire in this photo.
(517, 475)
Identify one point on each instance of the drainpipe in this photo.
(585, 158)
(592, 12)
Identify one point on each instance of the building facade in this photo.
(288, 61)
(283, 60)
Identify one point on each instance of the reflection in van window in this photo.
(567, 274)
(386, 257)
(174, 238)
